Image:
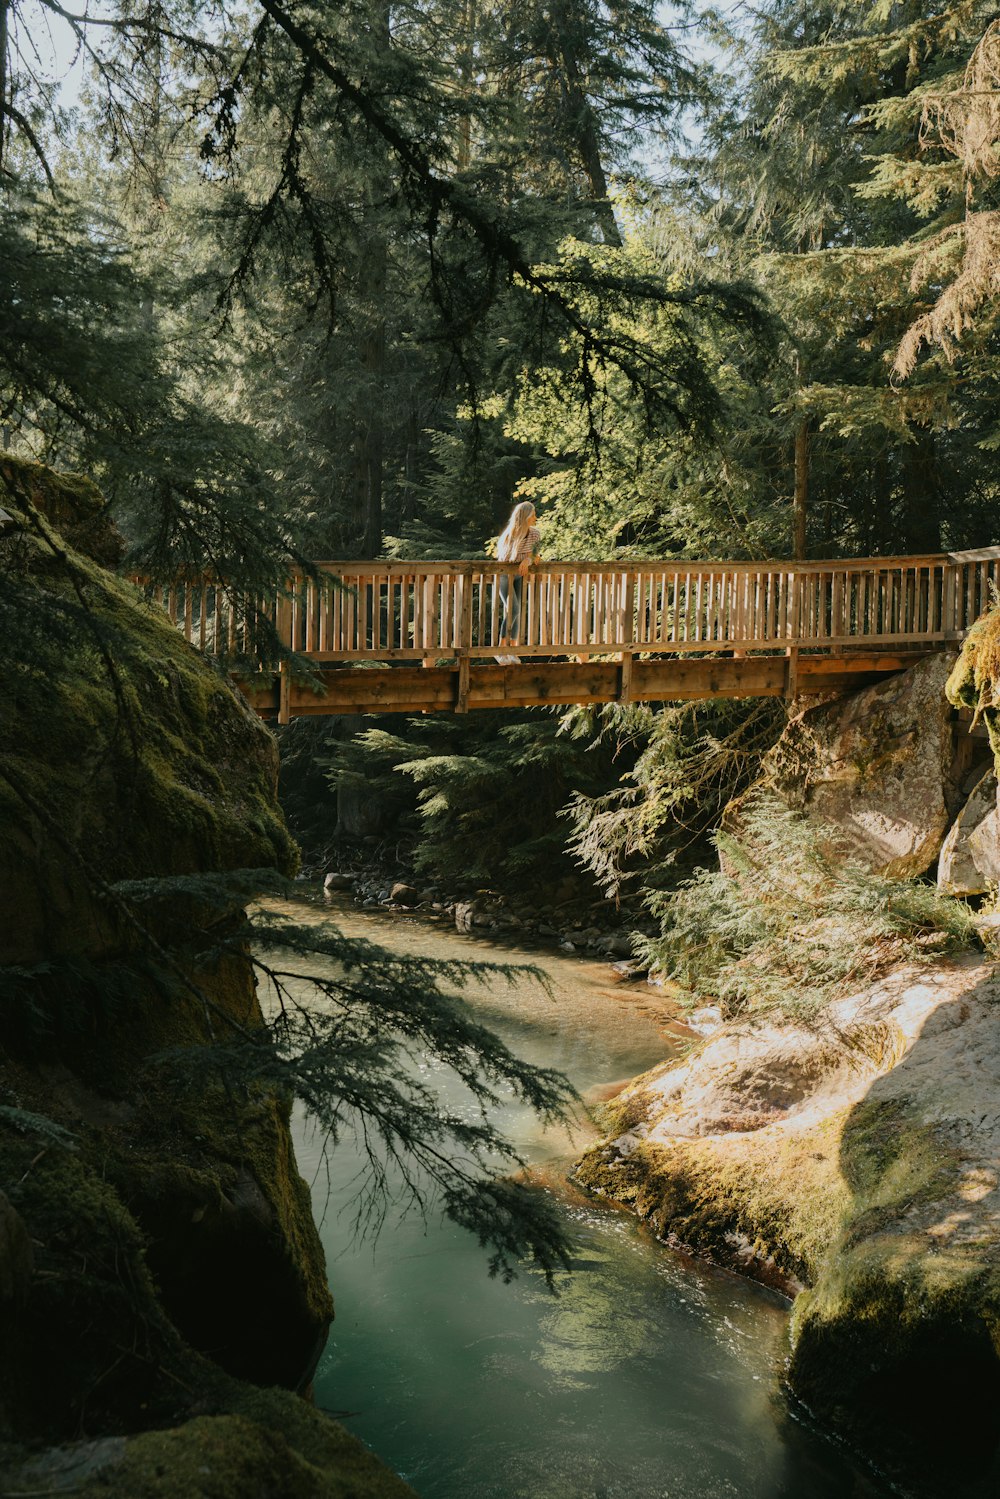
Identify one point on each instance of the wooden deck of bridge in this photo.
(394, 637)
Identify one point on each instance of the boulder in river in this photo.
(402, 894)
(465, 915)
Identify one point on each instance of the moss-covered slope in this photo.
(141, 1230)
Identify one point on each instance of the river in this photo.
(649, 1376)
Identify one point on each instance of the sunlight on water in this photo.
(646, 1376)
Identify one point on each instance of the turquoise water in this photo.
(648, 1377)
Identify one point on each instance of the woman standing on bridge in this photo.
(518, 542)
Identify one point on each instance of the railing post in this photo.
(464, 642)
(628, 611)
(792, 674)
(283, 628)
(283, 621)
(625, 676)
(949, 622)
(796, 605)
(792, 649)
(284, 693)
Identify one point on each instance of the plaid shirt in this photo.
(527, 546)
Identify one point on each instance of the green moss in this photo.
(896, 1343)
(88, 1350)
(277, 1449)
(129, 756)
(88, 1345)
(749, 1200)
(153, 762)
(975, 678)
(233, 1175)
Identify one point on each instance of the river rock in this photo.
(860, 1158)
(465, 915)
(334, 881)
(875, 767)
(620, 945)
(970, 856)
(404, 895)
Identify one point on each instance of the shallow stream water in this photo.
(649, 1376)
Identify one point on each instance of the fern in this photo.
(27, 1123)
(786, 925)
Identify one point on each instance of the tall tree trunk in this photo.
(4, 6)
(920, 512)
(800, 474)
(593, 166)
(580, 111)
(800, 499)
(466, 74)
(369, 441)
(879, 530)
(412, 460)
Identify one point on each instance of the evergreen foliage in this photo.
(154, 790)
(87, 384)
(476, 802)
(817, 176)
(693, 759)
(788, 925)
(348, 282)
(355, 1045)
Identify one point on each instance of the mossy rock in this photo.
(231, 1238)
(274, 1451)
(86, 1344)
(71, 504)
(871, 1184)
(88, 1350)
(157, 1223)
(119, 739)
(768, 1213)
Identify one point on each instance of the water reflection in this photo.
(647, 1376)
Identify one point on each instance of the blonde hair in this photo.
(515, 531)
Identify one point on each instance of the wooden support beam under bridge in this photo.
(439, 689)
(384, 637)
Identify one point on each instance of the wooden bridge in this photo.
(395, 637)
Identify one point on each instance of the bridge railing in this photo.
(379, 611)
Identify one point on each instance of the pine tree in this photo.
(820, 169)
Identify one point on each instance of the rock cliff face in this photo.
(156, 1247)
(853, 1161)
(878, 767)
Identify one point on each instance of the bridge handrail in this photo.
(409, 610)
(648, 564)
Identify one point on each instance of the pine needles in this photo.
(788, 926)
(353, 1031)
